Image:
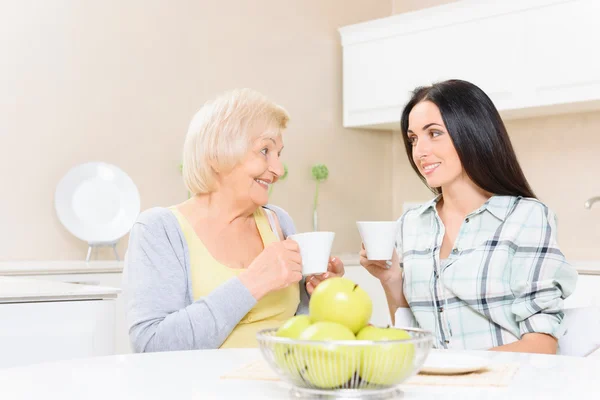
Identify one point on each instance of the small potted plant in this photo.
(319, 173)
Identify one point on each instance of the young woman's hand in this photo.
(385, 271)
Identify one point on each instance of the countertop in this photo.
(24, 268)
(12, 268)
(24, 290)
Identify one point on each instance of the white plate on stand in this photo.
(97, 202)
(444, 362)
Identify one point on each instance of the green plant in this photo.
(320, 173)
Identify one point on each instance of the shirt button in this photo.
(455, 250)
(441, 309)
(446, 341)
(467, 220)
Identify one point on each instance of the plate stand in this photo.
(93, 246)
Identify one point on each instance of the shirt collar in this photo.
(430, 205)
(498, 206)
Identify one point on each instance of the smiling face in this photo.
(432, 148)
(259, 169)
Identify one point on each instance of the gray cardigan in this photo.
(161, 313)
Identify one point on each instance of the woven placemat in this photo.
(495, 375)
(258, 370)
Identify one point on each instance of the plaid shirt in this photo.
(504, 278)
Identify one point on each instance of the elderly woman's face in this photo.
(260, 168)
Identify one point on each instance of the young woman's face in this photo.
(432, 148)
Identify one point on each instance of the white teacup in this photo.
(315, 249)
(379, 238)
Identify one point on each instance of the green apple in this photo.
(342, 301)
(284, 353)
(293, 327)
(386, 364)
(324, 366)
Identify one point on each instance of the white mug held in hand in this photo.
(315, 249)
(379, 238)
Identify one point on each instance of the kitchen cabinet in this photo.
(114, 280)
(44, 321)
(95, 273)
(532, 57)
(587, 292)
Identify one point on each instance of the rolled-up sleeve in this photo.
(541, 277)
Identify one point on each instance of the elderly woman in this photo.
(214, 270)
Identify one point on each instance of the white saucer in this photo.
(449, 363)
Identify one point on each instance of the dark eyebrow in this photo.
(427, 126)
(266, 139)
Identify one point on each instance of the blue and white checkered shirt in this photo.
(505, 276)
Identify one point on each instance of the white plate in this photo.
(97, 202)
(450, 362)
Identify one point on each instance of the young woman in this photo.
(478, 265)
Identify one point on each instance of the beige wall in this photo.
(118, 82)
(402, 6)
(559, 155)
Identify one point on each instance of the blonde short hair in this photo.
(221, 133)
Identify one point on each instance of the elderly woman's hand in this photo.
(276, 267)
(334, 268)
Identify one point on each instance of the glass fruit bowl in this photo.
(345, 368)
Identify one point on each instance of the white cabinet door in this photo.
(52, 331)
(563, 42)
(103, 279)
(533, 57)
(586, 294)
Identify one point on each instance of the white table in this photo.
(196, 375)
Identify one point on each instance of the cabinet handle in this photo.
(88, 283)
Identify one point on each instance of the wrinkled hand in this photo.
(276, 267)
(335, 267)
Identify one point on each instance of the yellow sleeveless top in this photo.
(207, 274)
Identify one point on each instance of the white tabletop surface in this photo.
(196, 375)
(20, 289)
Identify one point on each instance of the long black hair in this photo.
(478, 134)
